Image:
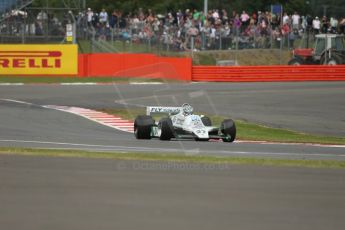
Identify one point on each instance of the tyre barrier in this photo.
(268, 73)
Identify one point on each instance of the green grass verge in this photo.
(250, 131)
(174, 158)
(207, 57)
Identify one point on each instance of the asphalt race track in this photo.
(66, 193)
(37, 127)
(280, 105)
(72, 193)
(316, 107)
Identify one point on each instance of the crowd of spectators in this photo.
(191, 29)
(19, 22)
(218, 29)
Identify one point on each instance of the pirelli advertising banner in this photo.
(38, 60)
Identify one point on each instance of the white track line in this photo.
(108, 147)
(11, 84)
(16, 101)
(167, 150)
(146, 83)
(283, 143)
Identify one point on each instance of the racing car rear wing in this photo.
(162, 109)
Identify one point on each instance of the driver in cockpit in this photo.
(187, 109)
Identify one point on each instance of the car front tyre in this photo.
(166, 129)
(228, 129)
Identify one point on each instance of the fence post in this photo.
(255, 36)
(237, 37)
(203, 40)
(23, 33)
(271, 36)
(192, 45)
(93, 39)
(74, 31)
(112, 36)
(149, 45)
(281, 49)
(220, 41)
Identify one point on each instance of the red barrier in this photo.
(134, 65)
(268, 73)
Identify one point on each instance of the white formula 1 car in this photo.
(181, 123)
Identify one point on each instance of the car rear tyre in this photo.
(166, 129)
(228, 129)
(143, 126)
(206, 121)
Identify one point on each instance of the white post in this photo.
(205, 7)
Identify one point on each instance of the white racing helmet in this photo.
(187, 109)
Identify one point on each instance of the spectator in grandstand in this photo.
(342, 26)
(291, 37)
(268, 17)
(304, 23)
(285, 29)
(316, 25)
(89, 15)
(254, 18)
(324, 25)
(114, 19)
(196, 14)
(156, 25)
(95, 20)
(236, 24)
(123, 22)
(295, 21)
(134, 24)
(275, 21)
(42, 15)
(41, 18)
(212, 36)
(103, 32)
(276, 36)
(215, 14)
(244, 20)
(224, 16)
(103, 17)
(286, 18)
(334, 25)
(171, 19)
(150, 17)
